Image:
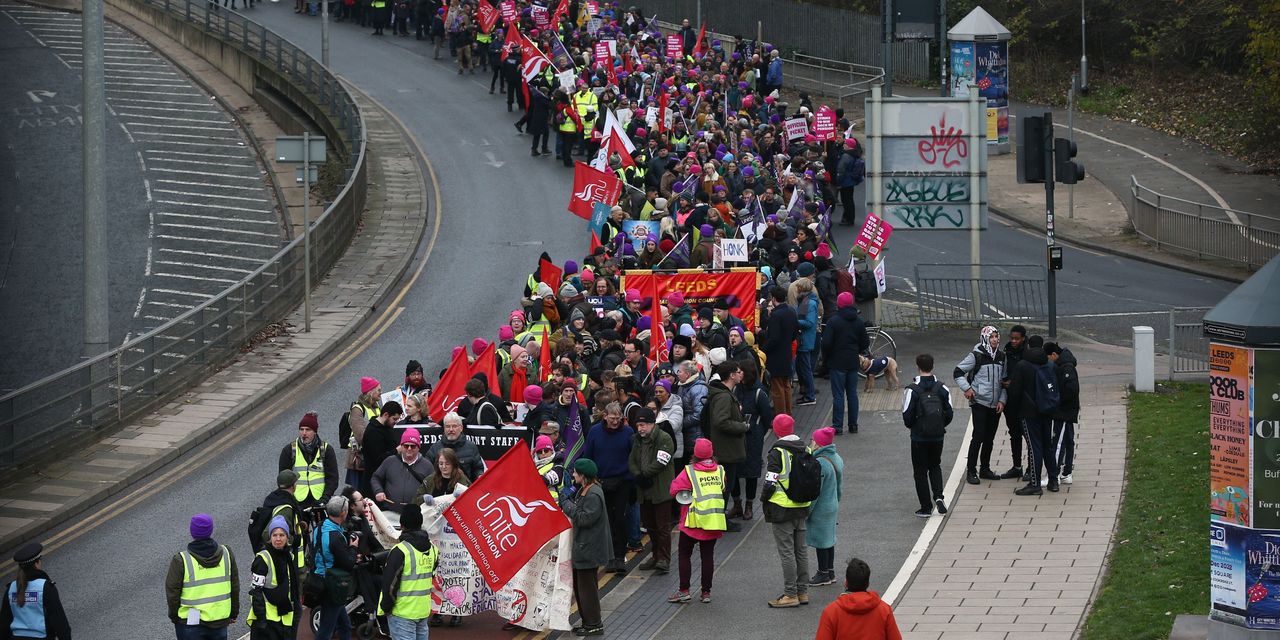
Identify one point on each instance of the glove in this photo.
(644, 482)
(568, 492)
(551, 478)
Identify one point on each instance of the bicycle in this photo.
(882, 344)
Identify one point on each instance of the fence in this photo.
(1244, 239)
(136, 376)
(1188, 346)
(944, 294)
(810, 30)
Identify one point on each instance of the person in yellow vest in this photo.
(32, 607)
(702, 519)
(202, 586)
(587, 104)
(406, 580)
(351, 431)
(315, 462)
(273, 586)
(379, 8)
(786, 516)
(545, 459)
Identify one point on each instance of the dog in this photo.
(882, 366)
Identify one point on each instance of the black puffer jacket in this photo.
(1068, 387)
(845, 338)
(1022, 384)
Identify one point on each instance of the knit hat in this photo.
(479, 344)
(505, 332)
(457, 351)
(645, 415)
(544, 290)
(588, 275)
(516, 351)
(368, 384)
(201, 526)
(411, 436)
(805, 269)
(543, 443)
(824, 436)
(413, 367)
(532, 394)
(279, 522)
(737, 330)
(515, 314)
(309, 421)
(705, 313)
(586, 467)
(783, 425)
(851, 143)
(570, 267)
(568, 290)
(645, 323)
(286, 478)
(717, 355)
(707, 231)
(666, 246)
(675, 299)
(823, 250)
(703, 449)
(633, 295)
(411, 519)
(577, 314)
(845, 299)
(687, 331)
(660, 204)
(664, 383)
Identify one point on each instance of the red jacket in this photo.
(860, 615)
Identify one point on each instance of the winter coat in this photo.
(682, 482)
(726, 427)
(858, 615)
(1011, 359)
(208, 554)
(910, 399)
(391, 577)
(329, 463)
(825, 285)
(508, 372)
(849, 170)
(652, 462)
(807, 318)
(693, 395)
(772, 512)
(757, 411)
(845, 338)
(286, 591)
(672, 413)
(1022, 385)
(380, 442)
(982, 372)
(778, 336)
(400, 480)
(609, 449)
(1068, 388)
(592, 544)
(774, 77)
(468, 453)
(821, 525)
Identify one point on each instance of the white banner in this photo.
(881, 279)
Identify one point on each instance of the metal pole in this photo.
(1071, 135)
(944, 51)
(324, 33)
(886, 11)
(306, 228)
(1048, 222)
(977, 145)
(1084, 58)
(96, 320)
(699, 14)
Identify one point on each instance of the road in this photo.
(500, 209)
(190, 211)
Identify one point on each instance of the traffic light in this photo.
(1031, 132)
(1067, 170)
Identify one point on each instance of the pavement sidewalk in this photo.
(1005, 566)
(36, 499)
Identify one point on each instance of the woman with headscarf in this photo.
(978, 376)
(273, 586)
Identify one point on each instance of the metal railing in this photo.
(1188, 346)
(835, 78)
(135, 377)
(945, 294)
(1244, 239)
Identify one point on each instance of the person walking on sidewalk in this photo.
(844, 338)
(1068, 413)
(780, 332)
(727, 427)
(202, 586)
(820, 530)
(978, 375)
(786, 515)
(1014, 350)
(584, 504)
(702, 521)
(858, 613)
(652, 463)
(926, 411)
(1030, 384)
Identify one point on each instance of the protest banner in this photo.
(675, 47)
(638, 231)
(736, 286)
(509, 13)
(491, 441)
(875, 232)
(824, 123)
(735, 249)
(796, 128)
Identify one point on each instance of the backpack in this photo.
(844, 282)
(257, 527)
(931, 412)
(805, 482)
(1046, 393)
(865, 286)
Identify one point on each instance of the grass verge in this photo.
(1159, 565)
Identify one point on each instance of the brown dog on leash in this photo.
(881, 366)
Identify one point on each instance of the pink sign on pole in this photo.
(824, 123)
(875, 232)
(675, 47)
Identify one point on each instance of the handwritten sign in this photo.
(734, 249)
(675, 47)
(875, 232)
(797, 128)
(824, 123)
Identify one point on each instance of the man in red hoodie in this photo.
(858, 614)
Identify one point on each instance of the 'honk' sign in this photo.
(735, 249)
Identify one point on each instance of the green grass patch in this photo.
(1160, 559)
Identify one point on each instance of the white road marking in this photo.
(179, 94)
(171, 103)
(203, 266)
(207, 111)
(232, 165)
(197, 144)
(206, 174)
(168, 304)
(225, 128)
(214, 185)
(200, 278)
(183, 135)
(176, 292)
(260, 234)
(195, 194)
(211, 255)
(156, 152)
(149, 117)
(207, 241)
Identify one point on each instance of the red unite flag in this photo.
(591, 186)
(658, 351)
(452, 388)
(506, 516)
(544, 357)
(488, 16)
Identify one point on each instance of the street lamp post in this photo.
(324, 33)
(1084, 58)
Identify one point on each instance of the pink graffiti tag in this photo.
(944, 141)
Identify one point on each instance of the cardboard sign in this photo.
(797, 128)
(735, 249)
(875, 232)
(675, 47)
(593, 8)
(824, 123)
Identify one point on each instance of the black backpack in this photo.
(257, 527)
(931, 412)
(1046, 393)
(805, 483)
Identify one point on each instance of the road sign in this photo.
(313, 171)
(289, 149)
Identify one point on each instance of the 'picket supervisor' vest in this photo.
(780, 496)
(206, 589)
(413, 599)
(706, 512)
(269, 610)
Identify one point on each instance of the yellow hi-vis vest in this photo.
(413, 599)
(542, 471)
(207, 590)
(269, 610)
(310, 475)
(706, 512)
(585, 101)
(780, 496)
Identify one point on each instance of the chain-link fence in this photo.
(135, 377)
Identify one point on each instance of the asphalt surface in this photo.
(190, 212)
(500, 208)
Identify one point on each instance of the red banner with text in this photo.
(700, 288)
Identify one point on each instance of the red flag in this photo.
(506, 516)
(549, 273)
(488, 16)
(658, 351)
(662, 111)
(561, 10)
(512, 41)
(544, 357)
(452, 388)
(697, 44)
(611, 74)
(595, 242)
(591, 186)
(487, 363)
